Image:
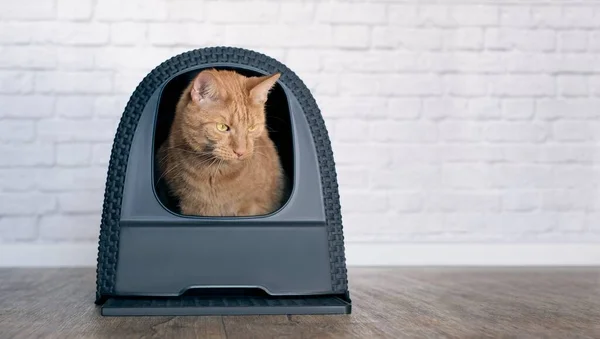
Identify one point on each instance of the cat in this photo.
(218, 159)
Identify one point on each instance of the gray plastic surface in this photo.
(164, 254)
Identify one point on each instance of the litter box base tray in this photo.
(197, 305)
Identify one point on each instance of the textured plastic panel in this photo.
(168, 260)
(109, 242)
(225, 306)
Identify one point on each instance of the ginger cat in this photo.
(218, 158)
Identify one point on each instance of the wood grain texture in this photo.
(387, 303)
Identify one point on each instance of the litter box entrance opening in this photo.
(278, 124)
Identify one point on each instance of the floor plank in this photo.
(387, 303)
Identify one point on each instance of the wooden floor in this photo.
(387, 303)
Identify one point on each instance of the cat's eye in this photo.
(252, 128)
(222, 127)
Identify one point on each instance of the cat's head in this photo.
(226, 113)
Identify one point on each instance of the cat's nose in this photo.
(239, 152)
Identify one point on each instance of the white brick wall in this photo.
(455, 121)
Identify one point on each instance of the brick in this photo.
(350, 178)
(411, 177)
(517, 109)
(467, 85)
(572, 85)
(17, 130)
(186, 10)
(28, 57)
(76, 130)
(594, 41)
(74, 9)
(321, 83)
(135, 10)
(572, 41)
(460, 153)
(81, 34)
(550, 109)
(309, 61)
(519, 223)
(564, 200)
(297, 12)
(18, 228)
(127, 81)
(521, 176)
(76, 58)
(453, 131)
(580, 16)
(26, 155)
(466, 61)
(435, 15)
(363, 202)
(516, 16)
(70, 227)
(419, 39)
(96, 82)
(16, 82)
(403, 154)
(580, 177)
(523, 85)
(81, 202)
(467, 38)
(406, 202)
(361, 84)
(465, 176)
(594, 83)
(241, 12)
(569, 154)
(344, 107)
(404, 108)
(299, 36)
(351, 36)
(361, 155)
(475, 15)
(27, 10)
(410, 85)
(71, 179)
(109, 106)
(403, 15)
(15, 33)
(26, 106)
(179, 34)
(351, 130)
(374, 61)
(570, 221)
(462, 202)
(17, 179)
(518, 39)
(572, 131)
(484, 109)
(405, 131)
(351, 13)
(18, 203)
(547, 16)
(444, 108)
(516, 132)
(101, 153)
(520, 201)
(73, 154)
(129, 33)
(74, 106)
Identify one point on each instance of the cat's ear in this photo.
(206, 88)
(260, 86)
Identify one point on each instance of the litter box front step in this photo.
(230, 305)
